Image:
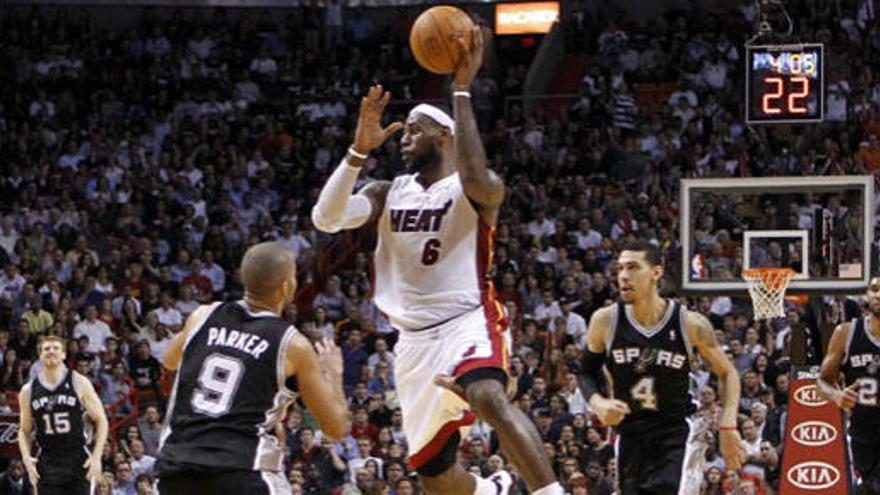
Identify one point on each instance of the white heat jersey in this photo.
(432, 256)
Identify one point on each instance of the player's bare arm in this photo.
(319, 375)
(592, 379)
(337, 208)
(174, 354)
(483, 186)
(95, 410)
(829, 374)
(703, 337)
(25, 434)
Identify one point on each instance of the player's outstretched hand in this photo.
(732, 449)
(610, 411)
(849, 396)
(30, 464)
(448, 382)
(93, 469)
(329, 356)
(471, 59)
(369, 134)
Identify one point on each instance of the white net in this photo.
(767, 290)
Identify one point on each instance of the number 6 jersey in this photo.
(229, 394)
(862, 362)
(651, 367)
(433, 254)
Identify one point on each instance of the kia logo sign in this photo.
(808, 396)
(813, 475)
(813, 433)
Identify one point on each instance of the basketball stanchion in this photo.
(815, 459)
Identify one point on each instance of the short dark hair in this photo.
(651, 252)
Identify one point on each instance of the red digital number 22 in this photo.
(794, 106)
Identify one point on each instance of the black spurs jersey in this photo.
(651, 367)
(229, 393)
(862, 362)
(59, 421)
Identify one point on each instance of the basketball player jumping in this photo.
(435, 234)
(55, 403)
(855, 348)
(234, 361)
(647, 342)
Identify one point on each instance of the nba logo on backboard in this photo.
(698, 270)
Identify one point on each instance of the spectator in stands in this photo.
(124, 484)
(356, 463)
(116, 387)
(96, 330)
(167, 314)
(150, 427)
(13, 480)
(141, 463)
(39, 320)
(144, 368)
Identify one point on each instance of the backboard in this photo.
(821, 227)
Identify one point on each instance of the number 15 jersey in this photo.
(229, 394)
(433, 254)
(651, 367)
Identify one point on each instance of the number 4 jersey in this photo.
(651, 367)
(433, 254)
(229, 394)
(862, 363)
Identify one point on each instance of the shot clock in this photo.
(784, 84)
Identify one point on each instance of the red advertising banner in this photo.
(815, 442)
(9, 435)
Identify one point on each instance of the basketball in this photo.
(434, 38)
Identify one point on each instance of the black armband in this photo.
(592, 379)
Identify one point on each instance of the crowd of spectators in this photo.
(140, 161)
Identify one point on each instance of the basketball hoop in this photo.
(767, 290)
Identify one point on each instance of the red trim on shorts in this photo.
(437, 443)
(496, 318)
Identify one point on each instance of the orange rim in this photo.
(773, 278)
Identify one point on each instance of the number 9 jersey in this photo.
(229, 394)
(432, 255)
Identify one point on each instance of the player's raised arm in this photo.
(703, 337)
(174, 354)
(481, 185)
(320, 382)
(25, 434)
(592, 379)
(337, 208)
(95, 409)
(829, 373)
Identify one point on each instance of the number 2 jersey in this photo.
(651, 368)
(59, 421)
(433, 255)
(862, 362)
(229, 394)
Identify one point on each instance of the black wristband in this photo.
(592, 380)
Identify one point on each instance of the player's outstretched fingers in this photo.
(448, 382)
(392, 128)
(850, 395)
